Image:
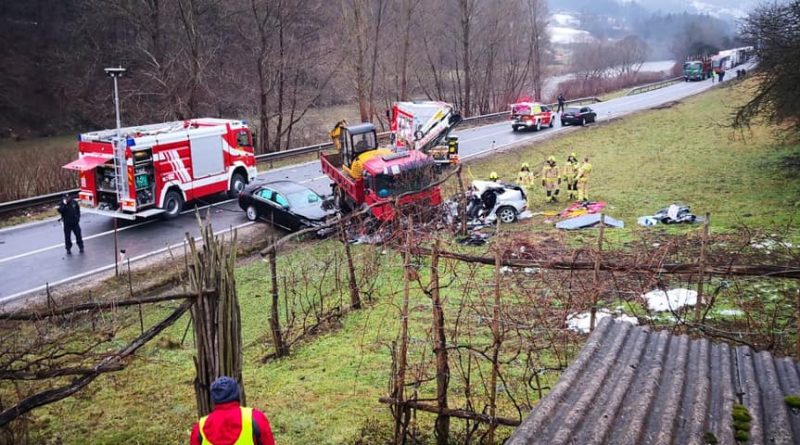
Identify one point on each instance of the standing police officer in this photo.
(71, 216)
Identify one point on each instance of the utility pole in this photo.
(116, 73)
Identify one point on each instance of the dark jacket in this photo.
(70, 211)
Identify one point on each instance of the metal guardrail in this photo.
(654, 85)
(11, 206)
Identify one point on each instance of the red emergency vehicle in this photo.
(154, 169)
(530, 115)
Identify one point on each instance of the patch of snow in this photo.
(530, 270)
(566, 20)
(505, 269)
(731, 312)
(769, 244)
(580, 322)
(565, 35)
(673, 299)
(716, 10)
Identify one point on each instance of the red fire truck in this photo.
(154, 169)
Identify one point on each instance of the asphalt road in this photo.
(33, 255)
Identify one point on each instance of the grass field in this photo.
(326, 391)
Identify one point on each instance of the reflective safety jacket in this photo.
(550, 174)
(583, 171)
(569, 171)
(525, 178)
(232, 424)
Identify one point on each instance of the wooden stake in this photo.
(440, 349)
(701, 264)
(400, 381)
(596, 294)
(274, 321)
(355, 298)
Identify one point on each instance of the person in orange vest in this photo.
(230, 423)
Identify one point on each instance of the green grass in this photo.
(326, 392)
(682, 154)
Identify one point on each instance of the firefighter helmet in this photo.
(551, 159)
(493, 176)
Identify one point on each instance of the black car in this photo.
(578, 116)
(285, 204)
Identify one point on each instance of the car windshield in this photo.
(573, 110)
(691, 66)
(520, 109)
(303, 198)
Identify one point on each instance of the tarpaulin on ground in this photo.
(586, 221)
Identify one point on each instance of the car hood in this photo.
(314, 213)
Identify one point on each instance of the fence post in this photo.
(462, 203)
(274, 321)
(355, 298)
(497, 341)
(400, 380)
(440, 349)
(701, 264)
(596, 293)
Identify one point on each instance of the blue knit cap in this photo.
(224, 389)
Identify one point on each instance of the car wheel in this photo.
(506, 215)
(339, 201)
(583, 121)
(251, 212)
(564, 123)
(538, 125)
(173, 204)
(514, 128)
(237, 185)
(552, 123)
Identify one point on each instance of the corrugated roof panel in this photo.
(633, 386)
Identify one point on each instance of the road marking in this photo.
(12, 297)
(97, 235)
(28, 224)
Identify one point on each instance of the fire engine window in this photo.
(243, 139)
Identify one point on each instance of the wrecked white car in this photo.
(489, 201)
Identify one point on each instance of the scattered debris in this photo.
(770, 244)
(474, 239)
(588, 220)
(580, 322)
(582, 208)
(647, 221)
(661, 301)
(731, 312)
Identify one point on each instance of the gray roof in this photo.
(630, 385)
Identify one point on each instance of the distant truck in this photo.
(699, 69)
(155, 169)
(381, 176)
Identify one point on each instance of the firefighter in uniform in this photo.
(230, 423)
(494, 177)
(569, 174)
(584, 172)
(550, 180)
(71, 218)
(336, 133)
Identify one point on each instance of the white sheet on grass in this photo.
(671, 300)
(580, 322)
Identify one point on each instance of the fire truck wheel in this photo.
(237, 185)
(173, 204)
(538, 125)
(252, 213)
(507, 214)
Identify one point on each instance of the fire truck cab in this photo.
(155, 169)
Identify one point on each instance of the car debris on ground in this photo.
(674, 214)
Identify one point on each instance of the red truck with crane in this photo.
(364, 174)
